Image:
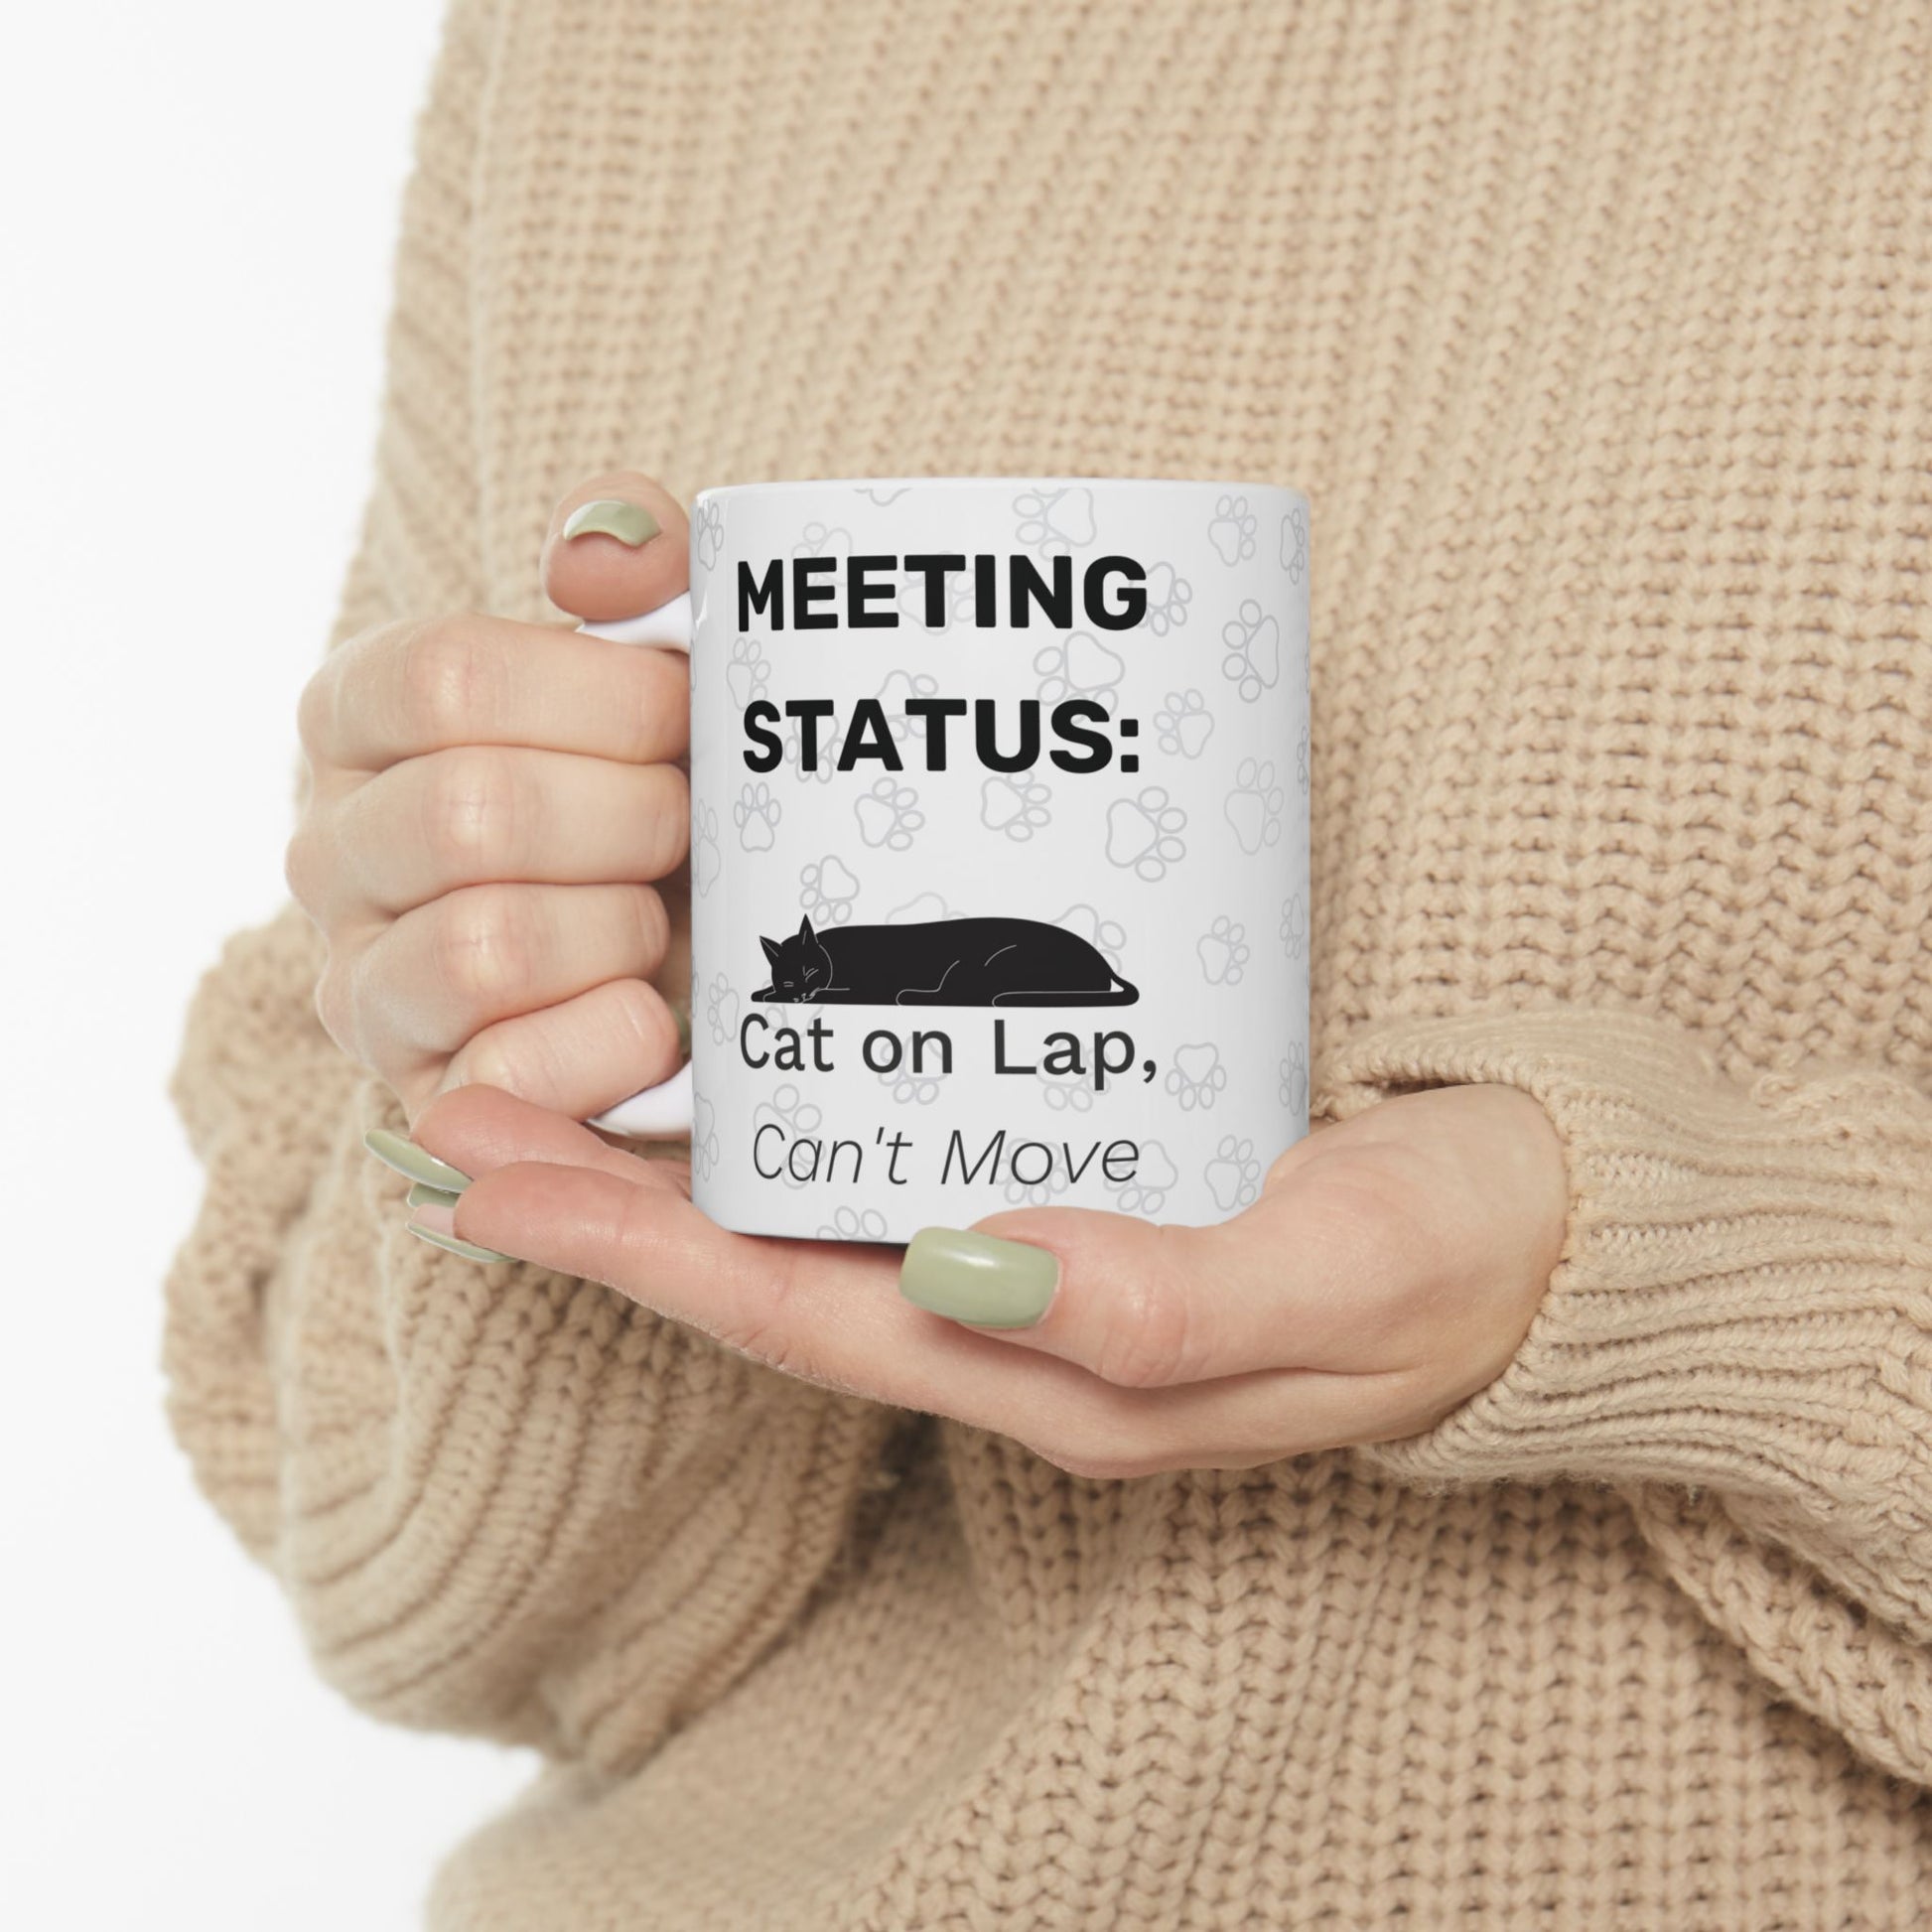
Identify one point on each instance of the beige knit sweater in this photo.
(1601, 337)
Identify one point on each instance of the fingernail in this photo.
(451, 1244)
(408, 1160)
(978, 1278)
(681, 1013)
(611, 516)
(421, 1195)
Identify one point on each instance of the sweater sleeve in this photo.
(1739, 1337)
(501, 1500)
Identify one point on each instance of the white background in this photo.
(197, 207)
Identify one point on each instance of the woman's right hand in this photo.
(494, 836)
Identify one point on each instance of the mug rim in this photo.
(1022, 482)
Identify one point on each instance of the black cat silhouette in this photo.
(942, 963)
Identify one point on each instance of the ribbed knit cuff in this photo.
(1745, 1295)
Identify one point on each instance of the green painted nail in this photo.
(467, 1249)
(681, 1013)
(978, 1278)
(409, 1161)
(421, 1195)
(611, 516)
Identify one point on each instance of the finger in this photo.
(618, 546)
(443, 973)
(579, 1056)
(488, 814)
(408, 689)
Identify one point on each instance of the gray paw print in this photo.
(1253, 640)
(1105, 935)
(706, 860)
(1301, 760)
(1167, 597)
(757, 815)
(825, 748)
(1035, 1194)
(1232, 533)
(926, 905)
(888, 814)
(797, 1119)
(892, 694)
(1055, 521)
(826, 890)
(1196, 1078)
(909, 1088)
(883, 493)
(1012, 803)
(720, 1011)
(1144, 834)
(747, 673)
(1295, 926)
(1065, 1093)
(1147, 1192)
(1254, 805)
(1079, 666)
(703, 1136)
(1295, 543)
(1223, 952)
(1294, 1080)
(708, 534)
(1183, 725)
(822, 540)
(1234, 1174)
(854, 1224)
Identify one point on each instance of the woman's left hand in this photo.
(1388, 1271)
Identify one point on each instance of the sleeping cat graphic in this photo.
(988, 962)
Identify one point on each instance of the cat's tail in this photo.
(1123, 993)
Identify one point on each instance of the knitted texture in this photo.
(1600, 338)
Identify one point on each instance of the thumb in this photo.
(618, 546)
(1139, 1304)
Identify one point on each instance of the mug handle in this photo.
(663, 1112)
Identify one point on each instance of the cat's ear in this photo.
(805, 935)
(770, 948)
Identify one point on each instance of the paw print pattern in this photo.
(747, 672)
(757, 815)
(1079, 666)
(708, 534)
(1012, 803)
(909, 1088)
(1053, 522)
(1295, 543)
(1105, 935)
(927, 905)
(1183, 725)
(854, 1224)
(1232, 532)
(703, 1136)
(957, 603)
(888, 814)
(1035, 1194)
(1295, 926)
(1196, 1078)
(826, 890)
(707, 861)
(795, 1118)
(892, 694)
(1145, 1191)
(721, 1010)
(1253, 655)
(883, 493)
(1223, 952)
(1167, 597)
(1067, 1092)
(1233, 1177)
(823, 540)
(1301, 760)
(1254, 805)
(1294, 1080)
(1144, 834)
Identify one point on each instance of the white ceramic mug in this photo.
(999, 849)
